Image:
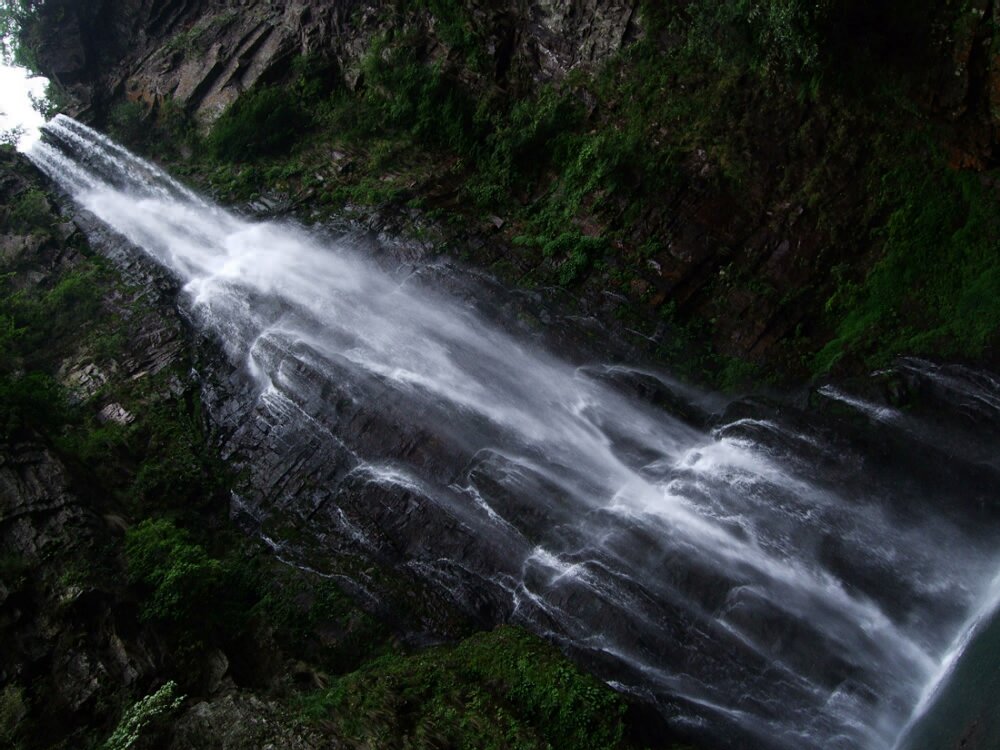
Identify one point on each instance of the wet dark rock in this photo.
(62, 638)
(240, 720)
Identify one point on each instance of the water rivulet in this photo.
(768, 576)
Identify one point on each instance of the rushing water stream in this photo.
(769, 582)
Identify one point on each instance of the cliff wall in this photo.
(773, 193)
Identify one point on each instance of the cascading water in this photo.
(764, 584)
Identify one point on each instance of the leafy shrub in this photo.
(178, 575)
(771, 35)
(194, 40)
(38, 324)
(162, 131)
(573, 252)
(154, 707)
(404, 94)
(30, 402)
(803, 37)
(183, 586)
(17, 21)
(177, 468)
(937, 285)
(128, 123)
(262, 122)
(10, 137)
(10, 332)
(303, 611)
(535, 132)
(453, 24)
(314, 78)
(30, 211)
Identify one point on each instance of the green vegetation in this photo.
(404, 95)
(503, 689)
(181, 584)
(12, 711)
(264, 122)
(774, 37)
(454, 27)
(10, 137)
(586, 173)
(155, 707)
(30, 212)
(16, 17)
(127, 122)
(798, 41)
(298, 608)
(191, 40)
(936, 287)
(165, 132)
(29, 400)
(36, 324)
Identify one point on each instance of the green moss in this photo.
(502, 689)
(936, 287)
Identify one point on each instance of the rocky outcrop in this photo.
(77, 650)
(64, 638)
(964, 87)
(239, 720)
(72, 639)
(202, 54)
(565, 35)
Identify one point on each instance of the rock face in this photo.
(71, 640)
(965, 89)
(63, 636)
(77, 650)
(201, 54)
(237, 721)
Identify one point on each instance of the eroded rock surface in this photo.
(202, 54)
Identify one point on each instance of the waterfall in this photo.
(762, 582)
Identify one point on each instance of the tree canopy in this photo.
(14, 15)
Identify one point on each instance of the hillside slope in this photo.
(770, 192)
